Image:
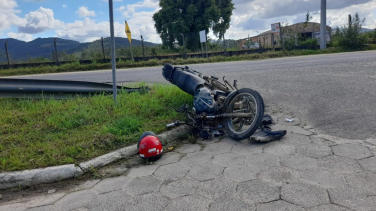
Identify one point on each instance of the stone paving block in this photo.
(365, 180)
(295, 139)
(248, 148)
(232, 204)
(218, 148)
(298, 162)
(258, 191)
(205, 172)
(279, 176)
(142, 171)
(340, 164)
(355, 198)
(153, 201)
(116, 200)
(279, 205)
(43, 208)
(368, 164)
(323, 178)
(320, 141)
(301, 131)
(88, 184)
(262, 160)
(111, 184)
(352, 151)
(217, 188)
(304, 195)
(172, 171)
(189, 203)
(44, 200)
(179, 188)
(13, 207)
(228, 159)
(208, 141)
(314, 150)
(279, 149)
(189, 148)
(329, 207)
(371, 141)
(75, 200)
(168, 158)
(241, 173)
(196, 158)
(142, 185)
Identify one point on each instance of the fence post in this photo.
(183, 45)
(104, 56)
(57, 58)
(143, 50)
(6, 51)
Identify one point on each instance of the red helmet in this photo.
(149, 147)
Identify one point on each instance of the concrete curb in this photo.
(57, 173)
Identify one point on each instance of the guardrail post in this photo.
(6, 51)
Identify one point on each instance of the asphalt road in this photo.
(334, 93)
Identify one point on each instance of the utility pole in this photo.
(349, 20)
(6, 51)
(143, 50)
(323, 25)
(104, 56)
(57, 58)
(113, 55)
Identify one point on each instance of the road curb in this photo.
(58, 173)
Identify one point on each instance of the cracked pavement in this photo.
(302, 171)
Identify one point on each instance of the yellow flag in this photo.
(128, 32)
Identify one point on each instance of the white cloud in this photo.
(130, 9)
(64, 6)
(21, 36)
(89, 30)
(8, 14)
(40, 20)
(113, 0)
(85, 12)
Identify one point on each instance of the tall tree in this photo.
(190, 17)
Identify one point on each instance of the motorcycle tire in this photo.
(249, 101)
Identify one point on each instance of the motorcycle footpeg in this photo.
(177, 123)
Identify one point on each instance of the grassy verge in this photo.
(43, 132)
(72, 67)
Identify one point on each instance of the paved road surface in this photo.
(334, 93)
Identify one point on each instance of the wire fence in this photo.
(52, 51)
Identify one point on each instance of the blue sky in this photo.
(87, 20)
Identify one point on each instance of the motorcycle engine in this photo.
(204, 102)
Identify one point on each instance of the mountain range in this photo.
(43, 47)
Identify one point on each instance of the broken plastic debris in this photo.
(170, 148)
(289, 120)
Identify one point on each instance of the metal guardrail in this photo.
(34, 88)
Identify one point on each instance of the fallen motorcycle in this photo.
(216, 105)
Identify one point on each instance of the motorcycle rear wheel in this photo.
(244, 101)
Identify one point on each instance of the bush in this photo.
(350, 37)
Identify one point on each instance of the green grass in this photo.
(46, 132)
(75, 66)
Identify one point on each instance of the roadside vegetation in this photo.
(47, 132)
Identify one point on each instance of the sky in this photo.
(88, 20)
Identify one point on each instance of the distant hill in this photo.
(43, 47)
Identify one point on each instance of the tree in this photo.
(350, 37)
(190, 17)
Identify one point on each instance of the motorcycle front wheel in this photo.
(244, 101)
